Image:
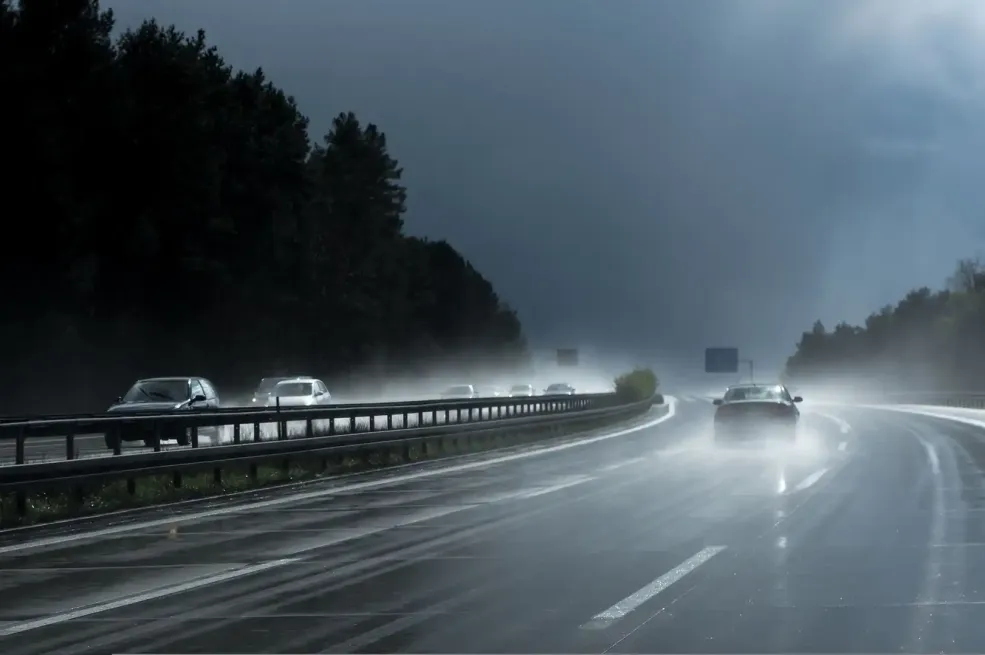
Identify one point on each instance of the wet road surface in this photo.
(868, 536)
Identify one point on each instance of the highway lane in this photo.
(867, 537)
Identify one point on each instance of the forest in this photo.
(170, 215)
(931, 340)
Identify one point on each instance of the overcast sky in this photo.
(652, 177)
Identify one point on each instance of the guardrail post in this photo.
(19, 447)
(236, 435)
(70, 444)
(352, 422)
(331, 426)
(309, 430)
(256, 431)
(389, 421)
(280, 426)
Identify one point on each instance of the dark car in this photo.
(559, 389)
(162, 396)
(751, 411)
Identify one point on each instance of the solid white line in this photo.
(841, 423)
(810, 480)
(313, 495)
(619, 465)
(605, 619)
(163, 592)
(533, 493)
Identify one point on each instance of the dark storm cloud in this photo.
(647, 176)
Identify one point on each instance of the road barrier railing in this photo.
(232, 426)
(490, 422)
(962, 399)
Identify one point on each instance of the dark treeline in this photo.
(931, 340)
(168, 215)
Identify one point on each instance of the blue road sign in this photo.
(721, 360)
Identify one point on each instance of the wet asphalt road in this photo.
(866, 540)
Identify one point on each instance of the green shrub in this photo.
(636, 385)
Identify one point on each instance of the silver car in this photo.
(521, 390)
(559, 389)
(299, 392)
(460, 392)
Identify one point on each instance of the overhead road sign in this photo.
(567, 357)
(721, 360)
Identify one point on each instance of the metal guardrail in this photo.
(227, 423)
(530, 417)
(967, 400)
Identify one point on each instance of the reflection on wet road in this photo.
(868, 536)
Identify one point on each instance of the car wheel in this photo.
(183, 439)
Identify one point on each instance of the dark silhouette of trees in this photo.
(931, 340)
(166, 214)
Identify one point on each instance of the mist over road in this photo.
(867, 536)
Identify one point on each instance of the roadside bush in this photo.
(638, 384)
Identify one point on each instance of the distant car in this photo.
(751, 411)
(488, 392)
(162, 396)
(559, 389)
(521, 390)
(266, 387)
(299, 392)
(460, 392)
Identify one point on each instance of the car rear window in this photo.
(755, 393)
(293, 389)
(150, 391)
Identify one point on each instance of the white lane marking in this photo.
(556, 487)
(55, 619)
(840, 422)
(619, 465)
(842, 446)
(292, 555)
(606, 618)
(935, 462)
(810, 480)
(313, 495)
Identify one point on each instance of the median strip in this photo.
(294, 498)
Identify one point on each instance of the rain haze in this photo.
(650, 178)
